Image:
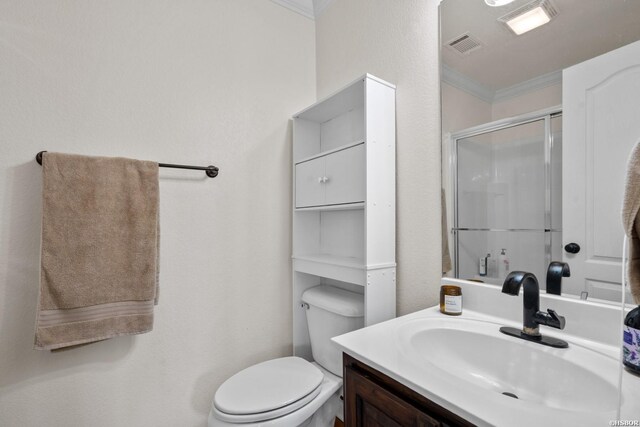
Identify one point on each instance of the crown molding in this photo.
(320, 5)
(303, 7)
(458, 80)
(536, 83)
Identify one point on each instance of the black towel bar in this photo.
(211, 171)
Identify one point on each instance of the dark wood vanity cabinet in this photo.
(373, 399)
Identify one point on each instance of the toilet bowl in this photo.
(291, 391)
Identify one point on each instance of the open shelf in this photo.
(333, 150)
(346, 269)
(338, 103)
(343, 261)
(330, 236)
(333, 124)
(340, 207)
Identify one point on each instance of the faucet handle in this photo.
(550, 318)
(558, 321)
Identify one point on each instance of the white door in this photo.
(601, 121)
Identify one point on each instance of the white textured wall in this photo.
(193, 82)
(460, 110)
(398, 42)
(546, 97)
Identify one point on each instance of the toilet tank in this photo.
(332, 311)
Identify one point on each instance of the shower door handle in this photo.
(572, 248)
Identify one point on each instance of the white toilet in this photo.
(290, 391)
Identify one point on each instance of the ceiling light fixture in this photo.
(495, 3)
(530, 16)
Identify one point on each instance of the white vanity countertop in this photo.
(384, 347)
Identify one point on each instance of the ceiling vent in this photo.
(528, 9)
(465, 43)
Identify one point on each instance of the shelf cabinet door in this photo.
(345, 172)
(310, 189)
(335, 179)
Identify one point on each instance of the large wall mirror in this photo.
(540, 110)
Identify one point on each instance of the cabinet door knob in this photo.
(320, 180)
(325, 179)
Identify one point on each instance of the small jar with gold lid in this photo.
(451, 300)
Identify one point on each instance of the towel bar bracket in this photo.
(211, 171)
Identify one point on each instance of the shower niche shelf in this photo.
(344, 200)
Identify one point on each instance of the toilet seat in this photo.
(267, 390)
(264, 416)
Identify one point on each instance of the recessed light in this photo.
(530, 16)
(528, 21)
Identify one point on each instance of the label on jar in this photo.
(631, 346)
(453, 304)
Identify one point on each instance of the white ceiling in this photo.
(583, 29)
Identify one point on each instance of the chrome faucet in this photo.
(532, 316)
(556, 271)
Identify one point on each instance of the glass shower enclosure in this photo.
(507, 197)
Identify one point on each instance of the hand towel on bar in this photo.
(100, 235)
(630, 220)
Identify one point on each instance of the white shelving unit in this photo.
(344, 200)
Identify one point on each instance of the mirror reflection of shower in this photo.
(507, 196)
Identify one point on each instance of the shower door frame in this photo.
(545, 114)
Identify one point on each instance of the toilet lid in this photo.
(267, 386)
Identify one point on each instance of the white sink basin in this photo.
(572, 379)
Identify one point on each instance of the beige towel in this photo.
(99, 249)
(630, 210)
(446, 257)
